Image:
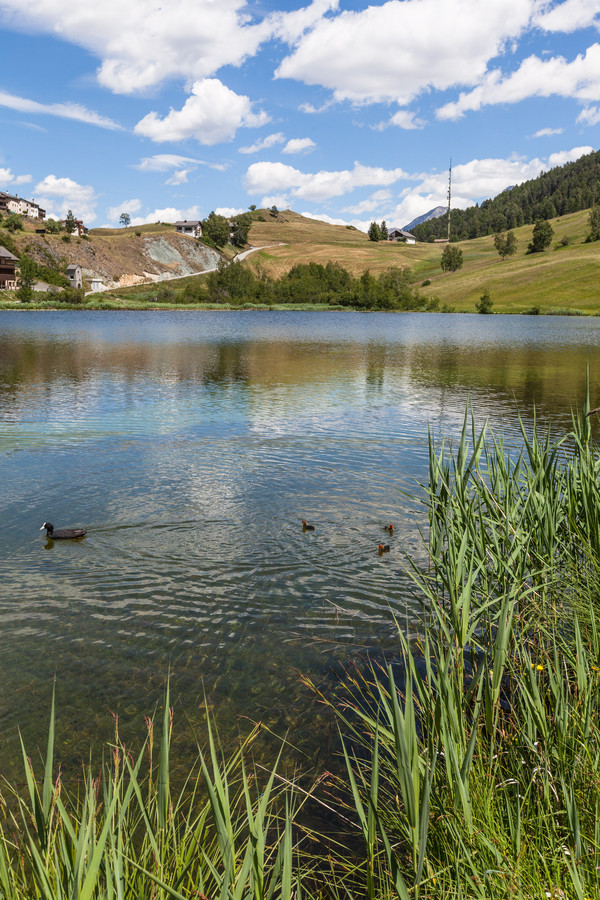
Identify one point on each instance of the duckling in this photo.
(306, 526)
(389, 528)
(62, 534)
(383, 548)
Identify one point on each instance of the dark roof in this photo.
(6, 255)
(73, 266)
(6, 196)
(401, 231)
(191, 223)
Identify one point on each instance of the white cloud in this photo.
(264, 143)
(402, 119)
(141, 44)
(321, 217)
(163, 162)
(579, 79)
(7, 177)
(212, 114)
(58, 195)
(229, 211)
(180, 176)
(167, 214)
(569, 16)
(299, 145)
(181, 166)
(312, 110)
(399, 49)
(589, 116)
(63, 110)
(128, 206)
(547, 132)
(278, 200)
(565, 156)
(316, 186)
(371, 203)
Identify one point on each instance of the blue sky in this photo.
(335, 109)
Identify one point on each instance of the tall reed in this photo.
(484, 759)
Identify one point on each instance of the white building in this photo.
(398, 234)
(193, 228)
(10, 204)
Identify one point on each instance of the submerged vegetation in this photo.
(471, 761)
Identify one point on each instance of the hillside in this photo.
(565, 278)
(309, 240)
(558, 192)
(121, 256)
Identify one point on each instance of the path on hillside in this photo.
(161, 279)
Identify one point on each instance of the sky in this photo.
(341, 111)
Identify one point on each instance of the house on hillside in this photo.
(75, 275)
(8, 276)
(79, 226)
(193, 227)
(29, 208)
(398, 234)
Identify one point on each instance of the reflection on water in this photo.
(191, 445)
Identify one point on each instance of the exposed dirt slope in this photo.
(124, 258)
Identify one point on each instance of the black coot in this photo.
(62, 534)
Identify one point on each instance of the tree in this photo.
(383, 231)
(485, 303)
(70, 222)
(52, 226)
(26, 279)
(542, 236)
(14, 222)
(274, 211)
(252, 207)
(125, 219)
(506, 244)
(594, 223)
(452, 258)
(374, 232)
(216, 229)
(241, 227)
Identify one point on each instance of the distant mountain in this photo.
(565, 189)
(432, 214)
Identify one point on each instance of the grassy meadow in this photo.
(562, 278)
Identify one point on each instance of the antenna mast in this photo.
(449, 195)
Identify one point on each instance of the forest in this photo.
(562, 190)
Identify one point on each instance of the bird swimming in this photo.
(389, 528)
(306, 526)
(62, 534)
(383, 548)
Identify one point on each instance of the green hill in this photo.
(564, 277)
(558, 192)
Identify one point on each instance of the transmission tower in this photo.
(449, 195)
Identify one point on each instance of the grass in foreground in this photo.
(472, 761)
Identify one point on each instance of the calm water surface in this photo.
(191, 445)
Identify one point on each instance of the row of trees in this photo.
(311, 283)
(378, 232)
(219, 231)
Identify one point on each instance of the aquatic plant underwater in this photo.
(472, 763)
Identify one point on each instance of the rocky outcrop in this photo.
(125, 259)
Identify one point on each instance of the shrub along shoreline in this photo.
(472, 766)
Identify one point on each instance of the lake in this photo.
(191, 445)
